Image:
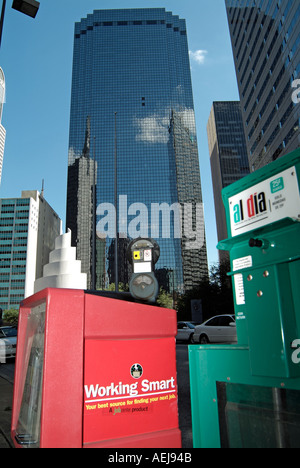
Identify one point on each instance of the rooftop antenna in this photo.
(42, 192)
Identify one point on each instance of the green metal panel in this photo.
(207, 365)
(230, 364)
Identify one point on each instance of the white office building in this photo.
(28, 229)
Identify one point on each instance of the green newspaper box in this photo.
(248, 394)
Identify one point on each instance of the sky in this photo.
(36, 56)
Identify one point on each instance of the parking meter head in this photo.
(143, 254)
(144, 287)
(143, 250)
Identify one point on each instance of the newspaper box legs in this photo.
(94, 372)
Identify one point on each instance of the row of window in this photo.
(7, 204)
(130, 23)
(6, 279)
(10, 222)
(11, 210)
(17, 297)
(4, 275)
(15, 268)
(4, 291)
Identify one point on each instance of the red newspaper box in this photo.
(93, 371)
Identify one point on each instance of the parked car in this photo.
(8, 343)
(219, 329)
(185, 332)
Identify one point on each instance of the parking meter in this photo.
(250, 390)
(143, 254)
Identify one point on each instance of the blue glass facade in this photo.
(134, 63)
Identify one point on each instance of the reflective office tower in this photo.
(132, 102)
(228, 155)
(2, 129)
(265, 37)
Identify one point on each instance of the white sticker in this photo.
(142, 267)
(239, 289)
(240, 316)
(148, 255)
(241, 263)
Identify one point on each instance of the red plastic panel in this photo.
(130, 380)
(62, 374)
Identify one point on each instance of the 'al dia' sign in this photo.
(269, 201)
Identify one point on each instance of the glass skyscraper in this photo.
(228, 155)
(132, 101)
(265, 36)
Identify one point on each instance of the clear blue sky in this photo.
(36, 56)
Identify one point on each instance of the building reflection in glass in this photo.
(136, 63)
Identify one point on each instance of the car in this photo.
(185, 332)
(219, 329)
(8, 343)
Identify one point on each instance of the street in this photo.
(185, 424)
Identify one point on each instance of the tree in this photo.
(164, 299)
(11, 317)
(122, 287)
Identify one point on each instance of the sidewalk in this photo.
(6, 397)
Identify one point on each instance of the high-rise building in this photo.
(28, 229)
(228, 154)
(265, 36)
(2, 129)
(132, 102)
